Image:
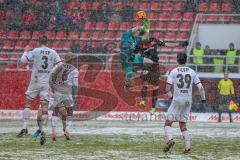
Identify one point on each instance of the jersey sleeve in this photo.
(170, 78)
(30, 55)
(75, 78)
(196, 79)
(57, 58)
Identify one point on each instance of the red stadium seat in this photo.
(83, 44)
(95, 5)
(50, 34)
(167, 6)
(172, 26)
(182, 36)
(89, 26)
(109, 36)
(96, 45)
(67, 45)
(13, 57)
(185, 26)
(22, 66)
(2, 15)
(121, 6)
(36, 35)
(33, 44)
(203, 7)
(85, 5)
(152, 16)
(25, 35)
(227, 7)
(176, 16)
(158, 35)
(178, 6)
(164, 16)
(11, 66)
(214, 7)
(73, 5)
(143, 6)
(3, 57)
(156, 6)
(98, 36)
(2, 34)
(227, 18)
(85, 35)
(169, 36)
(113, 26)
(20, 45)
(73, 35)
(57, 45)
(161, 26)
(124, 26)
(101, 26)
(118, 36)
(13, 35)
(188, 16)
(212, 18)
(8, 45)
(61, 35)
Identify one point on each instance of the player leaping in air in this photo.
(64, 85)
(43, 59)
(181, 79)
(151, 74)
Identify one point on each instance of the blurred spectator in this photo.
(127, 14)
(116, 18)
(63, 21)
(226, 92)
(218, 62)
(88, 48)
(198, 54)
(42, 21)
(52, 22)
(191, 5)
(208, 60)
(75, 47)
(231, 58)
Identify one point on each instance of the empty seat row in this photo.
(215, 7)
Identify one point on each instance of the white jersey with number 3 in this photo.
(182, 78)
(43, 59)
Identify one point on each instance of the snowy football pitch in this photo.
(121, 140)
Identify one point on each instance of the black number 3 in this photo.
(45, 62)
(184, 80)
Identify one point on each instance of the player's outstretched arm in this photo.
(26, 55)
(201, 91)
(174, 45)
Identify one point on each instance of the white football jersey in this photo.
(44, 60)
(182, 78)
(63, 77)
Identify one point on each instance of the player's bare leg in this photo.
(154, 100)
(186, 137)
(26, 114)
(42, 119)
(168, 134)
(54, 124)
(63, 113)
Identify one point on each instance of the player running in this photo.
(181, 79)
(151, 74)
(43, 59)
(64, 85)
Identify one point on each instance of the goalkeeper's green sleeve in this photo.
(146, 25)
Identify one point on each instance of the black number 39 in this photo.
(184, 80)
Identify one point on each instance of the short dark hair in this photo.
(43, 40)
(182, 58)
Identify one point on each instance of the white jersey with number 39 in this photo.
(182, 78)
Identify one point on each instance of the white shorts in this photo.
(38, 89)
(59, 98)
(179, 110)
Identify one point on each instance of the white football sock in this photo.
(26, 114)
(69, 122)
(44, 121)
(54, 123)
(186, 139)
(168, 132)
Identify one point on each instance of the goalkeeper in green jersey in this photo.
(129, 42)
